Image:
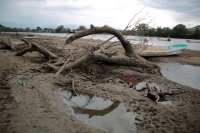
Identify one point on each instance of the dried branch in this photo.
(61, 69)
(96, 30)
(73, 87)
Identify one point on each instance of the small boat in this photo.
(193, 41)
(146, 50)
(163, 39)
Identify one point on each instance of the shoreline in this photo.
(189, 57)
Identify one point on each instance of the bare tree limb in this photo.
(35, 47)
(63, 66)
(96, 30)
(73, 87)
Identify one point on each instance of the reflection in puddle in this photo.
(100, 113)
(184, 74)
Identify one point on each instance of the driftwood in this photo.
(117, 60)
(33, 46)
(97, 30)
(61, 68)
(156, 95)
(129, 58)
(73, 87)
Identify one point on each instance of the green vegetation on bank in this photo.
(179, 31)
(59, 29)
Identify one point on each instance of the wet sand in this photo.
(37, 106)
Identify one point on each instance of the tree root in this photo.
(157, 95)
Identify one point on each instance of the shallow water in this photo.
(187, 75)
(100, 113)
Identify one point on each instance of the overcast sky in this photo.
(115, 13)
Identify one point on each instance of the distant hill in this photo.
(2, 28)
(194, 28)
(7, 29)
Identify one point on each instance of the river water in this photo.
(191, 46)
(187, 75)
(184, 74)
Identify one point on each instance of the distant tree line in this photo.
(59, 29)
(179, 31)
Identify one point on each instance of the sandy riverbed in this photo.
(37, 108)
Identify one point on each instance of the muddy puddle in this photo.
(187, 75)
(100, 113)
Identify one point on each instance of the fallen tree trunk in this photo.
(130, 58)
(35, 47)
(6, 41)
(97, 30)
(71, 65)
(117, 60)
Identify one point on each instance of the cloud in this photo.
(116, 13)
(178, 5)
(180, 10)
(68, 8)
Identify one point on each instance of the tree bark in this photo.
(35, 47)
(105, 29)
(72, 65)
